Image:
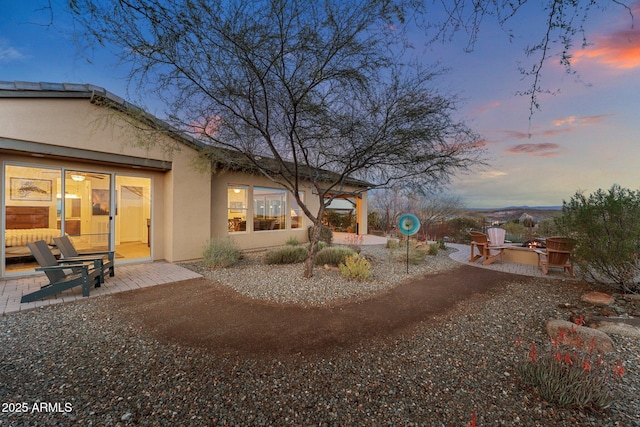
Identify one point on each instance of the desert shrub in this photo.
(326, 235)
(570, 377)
(333, 255)
(442, 244)
(458, 228)
(319, 246)
(222, 252)
(355, 267)
(292, 241)
(354, 241)
(606, 228)
(417, 255)
(393, 244)
(286, 255)
(433, 249)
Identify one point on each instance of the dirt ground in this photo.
(204, 314)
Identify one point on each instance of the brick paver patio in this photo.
(128, 277)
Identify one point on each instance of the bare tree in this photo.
(563, 28)
(298, 91)
(431, 208)
(388, 203)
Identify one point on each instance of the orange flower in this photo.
(618, 370)
(533, 354)
(473, 420)
(568, 359)
(562, 335)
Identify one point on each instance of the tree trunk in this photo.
(314, 238)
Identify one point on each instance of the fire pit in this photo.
(534, 244)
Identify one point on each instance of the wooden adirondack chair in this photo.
(557, 254)
(496, 236)
(487, 251)
(59, 280)
(69, 252)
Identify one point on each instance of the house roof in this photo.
(220, 157)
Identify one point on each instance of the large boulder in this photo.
(619, 328)
(579, 336)
(598, 298)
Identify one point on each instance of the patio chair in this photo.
(88, 273)
(557, 254)
(496, 236)
(486, 250)
(69, 252)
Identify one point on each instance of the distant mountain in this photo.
(512, 208)
(514, 212)
(539, 208)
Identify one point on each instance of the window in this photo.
(269, 209)
(237, 208)
(296, 212)
(31, 197)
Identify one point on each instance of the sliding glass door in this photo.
(31, 201)
(87, 210)
(99, 211)
(133, 217)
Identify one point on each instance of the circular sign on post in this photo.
(409, 224)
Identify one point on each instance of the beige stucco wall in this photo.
(181, 197)
(259, 239)
(252, 239)
(189, 204)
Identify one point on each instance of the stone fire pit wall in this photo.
(520, 255)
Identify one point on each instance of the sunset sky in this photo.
(585, 137)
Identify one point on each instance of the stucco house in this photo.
(70, 166)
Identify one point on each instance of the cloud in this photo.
(580, 121)
(8, 54)
(543, 149)
(480, 109)
(593, 120)
(619, 49)
(561, 126)
(564, 121)
(493, 174)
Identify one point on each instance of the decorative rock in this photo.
(598, 298)
(622, 329)
(579, 336)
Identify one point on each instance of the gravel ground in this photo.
(81, 364)
(326, 287)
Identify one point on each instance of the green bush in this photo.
(355, 267)
(606, 228)
(570, 377)
(319, 246)
(222, 252)
(433, 249)
(286, 255)
(333, 255)
(393, 244)
(567, 385)
(417, 255)
(292, 241)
